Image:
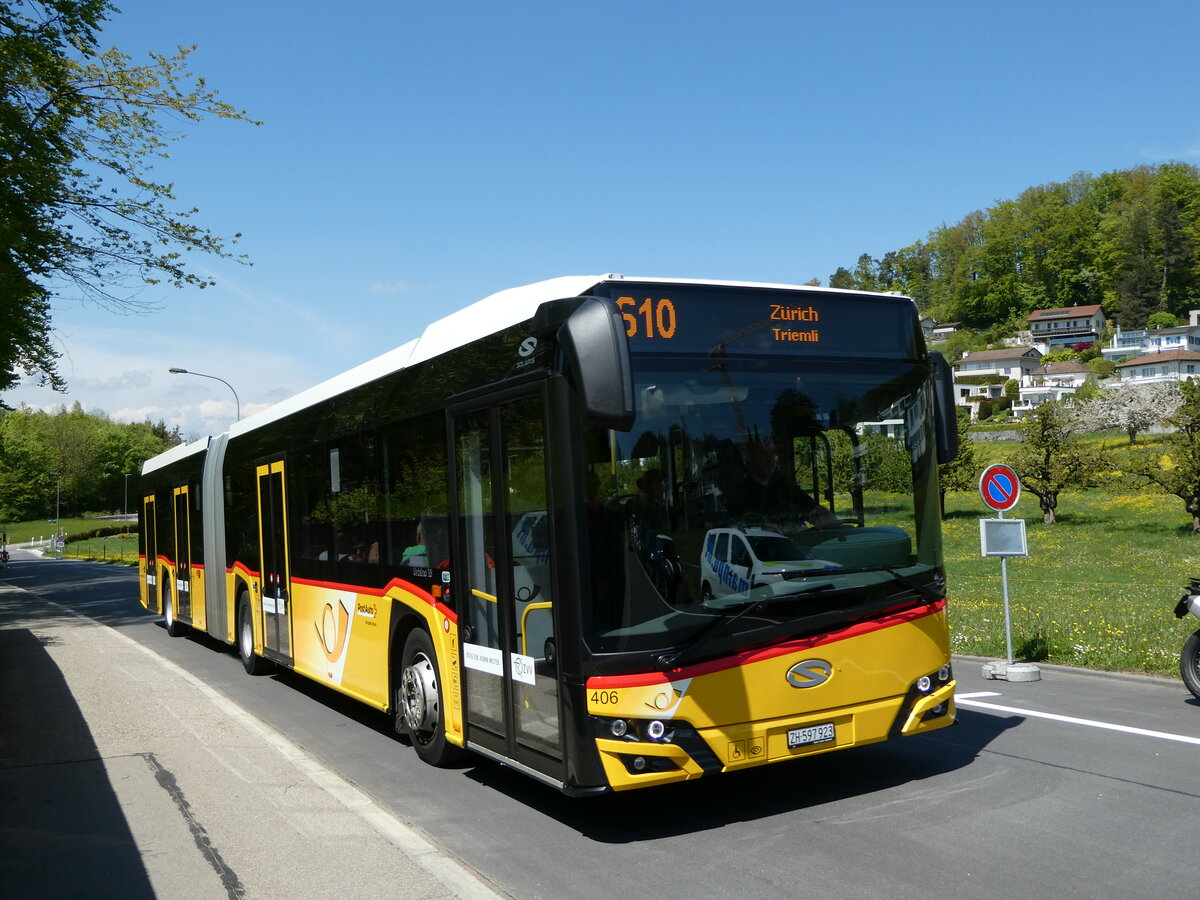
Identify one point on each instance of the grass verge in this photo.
(1097, 589)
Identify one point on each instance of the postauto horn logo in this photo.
(809, 673)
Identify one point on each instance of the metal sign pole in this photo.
(1001, 489)
(1007, 614)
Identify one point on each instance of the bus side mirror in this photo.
(945, 418)
(597, 353)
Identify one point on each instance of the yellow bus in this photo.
(611, 532)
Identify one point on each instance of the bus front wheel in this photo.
(419, 701)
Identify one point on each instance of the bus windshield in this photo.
(760, 498)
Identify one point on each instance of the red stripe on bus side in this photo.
(417, 591)
(407, 586)
(642, 679)
(245, 571)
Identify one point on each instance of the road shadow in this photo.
(759, 793)
(62, 831)
(93, 587)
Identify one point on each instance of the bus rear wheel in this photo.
(175, 628)
(419, 701)
(251, 662)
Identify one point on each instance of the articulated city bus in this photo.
(611, 532)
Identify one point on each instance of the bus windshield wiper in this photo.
(674, 660)
(928, 594)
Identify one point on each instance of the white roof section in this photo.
(176, 453)
(487, 316)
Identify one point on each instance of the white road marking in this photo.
(971, 701)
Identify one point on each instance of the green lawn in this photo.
(1097, 589)
(118, 548)
(22, 532)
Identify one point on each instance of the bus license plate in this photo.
(813, 734)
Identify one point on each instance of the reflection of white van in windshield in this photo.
(736, 560)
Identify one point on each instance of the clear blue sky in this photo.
(415, 157)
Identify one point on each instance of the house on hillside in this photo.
(1152, 368)
(1067, 326)
(943, 330)
(1013, 362)
(1052, 381)
(1126, 345)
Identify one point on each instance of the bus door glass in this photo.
(273, 544)
(150, 530)
(503, 558)
(183, 553)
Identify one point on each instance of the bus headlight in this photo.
(634, 730)
(924, 683)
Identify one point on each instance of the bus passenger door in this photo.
(273, 567)
(183, 554)
(150, 595)
(502, 566)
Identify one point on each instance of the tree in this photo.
(962, 472)
(1052, 459)
(1089, 390)
(1132, 407)
(80, 132)
(1162, 320)
(842, 279)
(1129, 240)
(1177, 471)
(69, 459)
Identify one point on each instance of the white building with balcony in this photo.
(1126, 345)
(1152, 368)
(1016, 362)
(1067, 326)
(1053, 381)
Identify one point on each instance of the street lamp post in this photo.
(236, 400)
(58, 529)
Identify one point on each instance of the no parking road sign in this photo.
(1000, 488)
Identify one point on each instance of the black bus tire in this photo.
(420, 706)
(251, 662)
(175, 628)
(1189, 664)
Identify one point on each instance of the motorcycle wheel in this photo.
(1189, 664)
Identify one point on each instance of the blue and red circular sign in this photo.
(999, 487)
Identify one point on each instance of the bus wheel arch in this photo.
(420, 700)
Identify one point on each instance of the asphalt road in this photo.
(1077, 785)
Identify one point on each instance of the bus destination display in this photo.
(699, 319)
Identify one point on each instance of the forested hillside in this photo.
(1129, 240)
(72, 462)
